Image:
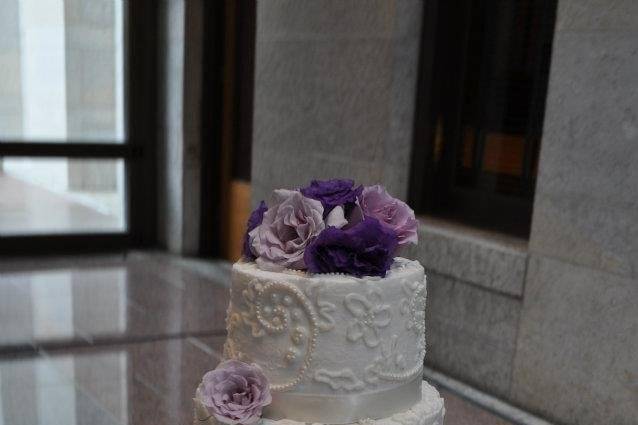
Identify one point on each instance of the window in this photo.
(480, 109)
(71, 159)
(61, 195)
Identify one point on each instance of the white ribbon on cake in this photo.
(344, 408)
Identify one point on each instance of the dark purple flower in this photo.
(332, 193)
(366, 249)
(255, 219)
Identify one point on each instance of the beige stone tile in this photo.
(586, 199)
(577, 351)
(471, 333)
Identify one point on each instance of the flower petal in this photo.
(357, 304)
(336, 218)
(382, 316)
(371, 336)
(354, 331)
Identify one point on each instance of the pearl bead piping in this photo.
(282, 324)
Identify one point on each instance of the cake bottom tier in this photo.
(428, 411)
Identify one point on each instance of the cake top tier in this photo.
(330, 226)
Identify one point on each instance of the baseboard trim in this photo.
(479, 398)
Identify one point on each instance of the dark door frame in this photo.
(227, 107)
(211, 177)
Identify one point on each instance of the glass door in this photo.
(65, 144)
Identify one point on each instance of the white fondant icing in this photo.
(370, 316)
(324, 308)
(333, 335)
(294, 324)
(428, 411)
(340, 379)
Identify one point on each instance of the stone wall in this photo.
(475, 289)
(577, 349)
(179, 47)
(550, 324)
(335, 84)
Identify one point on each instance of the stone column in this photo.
(335, 84)
(179, 117)
(577, 353)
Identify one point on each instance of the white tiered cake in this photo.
(337, 349)
(324, 345)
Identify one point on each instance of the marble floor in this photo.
(118, 339)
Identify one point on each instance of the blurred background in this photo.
(136, 136)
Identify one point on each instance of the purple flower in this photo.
(366, 249)
(254, 220)
(235, 392)
(332, 193)
(391, 212)
(289, 225)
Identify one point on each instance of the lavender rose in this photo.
(391, 212)
(289, 225)
(332, 193)
(366, 249)
(236, 392)
(254, 220)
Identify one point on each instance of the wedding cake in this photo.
(325, 325)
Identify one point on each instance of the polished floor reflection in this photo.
(142, 296)
(118, 340)
(142, 383)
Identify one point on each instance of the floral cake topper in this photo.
(330, 226)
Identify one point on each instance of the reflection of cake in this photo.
(344, 341)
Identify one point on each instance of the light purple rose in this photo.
(391, 212)
(289, 225)
(236, 392)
